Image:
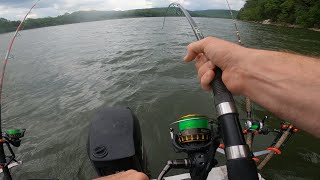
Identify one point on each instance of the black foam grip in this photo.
(220, 91)
(242, 168)
(230, 130)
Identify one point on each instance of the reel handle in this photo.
(239, 162)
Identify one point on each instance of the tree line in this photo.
(86, 16)
(305, 13)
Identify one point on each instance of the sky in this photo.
(16, 9)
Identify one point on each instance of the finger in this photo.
(194, 49)
(121, 174)
(206, 80)
(111, 177)
(199, 55)
(138, 176)
(116, 176)
(200, 60)
(208, 66)
(131, 171)
(126, 175)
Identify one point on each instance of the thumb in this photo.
(194, 49)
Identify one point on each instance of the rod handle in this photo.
(220, 91)
(242, 168)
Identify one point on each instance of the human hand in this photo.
(126, 175)
(211, 52)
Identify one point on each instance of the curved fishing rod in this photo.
(192, 23)
(234, 22)
(239, 157)
(3, 162)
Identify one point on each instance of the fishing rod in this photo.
(284, 135)
(249, 134)
(239, 157)
(255, 127)
(11, 136)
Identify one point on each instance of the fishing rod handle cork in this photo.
(239, 161)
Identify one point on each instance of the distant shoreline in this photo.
(1, 33)
(265, 22)
(89, 16)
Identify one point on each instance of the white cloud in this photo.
(15, 9)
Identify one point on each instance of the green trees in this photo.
(85, 16)
(305, 13)
(6, 26)
(309, 13)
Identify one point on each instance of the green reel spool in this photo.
(15, 133)
(193, 121)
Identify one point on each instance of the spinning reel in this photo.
(11, 137)
(199, 141)
(256, 126)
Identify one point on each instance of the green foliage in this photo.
(6, 26)
(214, 13)
(271, 8)
(305, 13)
(86, 16)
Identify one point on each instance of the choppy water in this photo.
(61, 75)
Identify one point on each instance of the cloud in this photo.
(15, 9)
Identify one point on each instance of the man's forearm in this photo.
(287, 85)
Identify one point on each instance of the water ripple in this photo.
(62, 75)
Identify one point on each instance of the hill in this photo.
(87, 16)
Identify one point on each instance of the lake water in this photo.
(60, 76)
